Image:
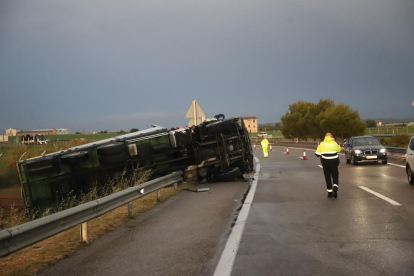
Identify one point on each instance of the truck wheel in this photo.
(231, 175)
(75, 157)
(115, 158)
(219, 126)
(110, 149)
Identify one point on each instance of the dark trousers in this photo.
(330, 169)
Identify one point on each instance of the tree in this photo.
(309, 120)
(341, 121)
(134, 130)
(121, 131)
(370, 123)
(300, 120)
(77, 132)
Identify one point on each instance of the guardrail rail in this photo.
(24, 235)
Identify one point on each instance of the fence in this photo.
(21, 236)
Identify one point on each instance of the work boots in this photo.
(335, 191)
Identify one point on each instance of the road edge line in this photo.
(389, 200)
(228, 257)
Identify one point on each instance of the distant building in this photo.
(19, 132)
(63, 131)
(12, 131)
(251, 124)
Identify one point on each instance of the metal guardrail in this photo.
(395, 152)
(21, 236)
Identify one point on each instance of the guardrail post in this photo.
(159, 195)
(175, 186)
(130, 209)
(84, 232)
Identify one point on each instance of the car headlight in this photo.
(357, 151)
(383, 150)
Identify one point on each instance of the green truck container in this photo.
(217, 150)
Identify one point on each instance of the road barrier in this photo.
(21, 236)
(392, 151)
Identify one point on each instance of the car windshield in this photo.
(365, 142)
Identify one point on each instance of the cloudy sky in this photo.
(98, 64)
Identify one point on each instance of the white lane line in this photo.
(396, 165)
(228, 257)
(320, 166)
(380, 196)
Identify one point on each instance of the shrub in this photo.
(400, 140)
(386, 141)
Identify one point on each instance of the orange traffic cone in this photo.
(254, 146)
(304, 155)
(287, 150)
(270, 147)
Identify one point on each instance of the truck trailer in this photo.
(217, 150)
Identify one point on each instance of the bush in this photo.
(400, 140)
(386, 141)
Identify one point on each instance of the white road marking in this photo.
(380, 196)
(228, 257)
(396, 165)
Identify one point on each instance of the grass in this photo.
(32, 259)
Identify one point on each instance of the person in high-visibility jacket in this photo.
(328, 152)
(265, 144)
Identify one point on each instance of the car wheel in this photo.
(410, 175)
(353, 162)
(384, 161)
(110, 149)
(75, 157)
(231, 175)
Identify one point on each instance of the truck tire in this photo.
(115, 158)
(219, 126)
(75, 157)
(231, 175)
(111, 149)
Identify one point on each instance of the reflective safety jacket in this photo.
(328, 149)
(265, 143)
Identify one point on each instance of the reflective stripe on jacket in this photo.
(328, 149)
(265, 143)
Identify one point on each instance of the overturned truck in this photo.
(219, 150)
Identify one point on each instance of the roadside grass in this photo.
(32, 259)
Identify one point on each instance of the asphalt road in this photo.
(182, 236)
(292, 227)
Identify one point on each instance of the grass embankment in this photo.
(36, 257)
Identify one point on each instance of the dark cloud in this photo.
(96, 65)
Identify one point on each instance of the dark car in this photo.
(364, 149)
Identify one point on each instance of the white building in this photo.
(63, 131)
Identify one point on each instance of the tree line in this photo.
(307, 120)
